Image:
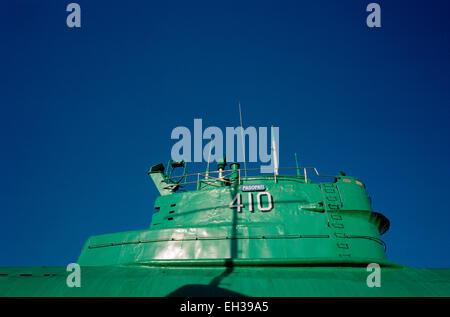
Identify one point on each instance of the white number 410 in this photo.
(237, 202)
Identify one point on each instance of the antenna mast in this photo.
(209, 158)
(296, 164)
(275, 155)
(242, 138)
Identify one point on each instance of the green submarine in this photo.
(228, 234)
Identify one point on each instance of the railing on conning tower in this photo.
(231, 176)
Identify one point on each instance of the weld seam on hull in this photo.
(209, 238)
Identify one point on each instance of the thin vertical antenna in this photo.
(274, 153)
(242, 138)
(209, 158)
(296, 164)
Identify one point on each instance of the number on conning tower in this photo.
(269, 199)
(237, 202)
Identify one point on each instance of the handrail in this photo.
(258, 169)
(229, 172)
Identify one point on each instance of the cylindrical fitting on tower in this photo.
(235, 170)
(221, 166)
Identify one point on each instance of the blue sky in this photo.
(85, 112)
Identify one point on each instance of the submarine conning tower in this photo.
(229, 218)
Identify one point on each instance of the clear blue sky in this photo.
(85, 112)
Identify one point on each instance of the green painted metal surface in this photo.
(269, 235)
(141, 280)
